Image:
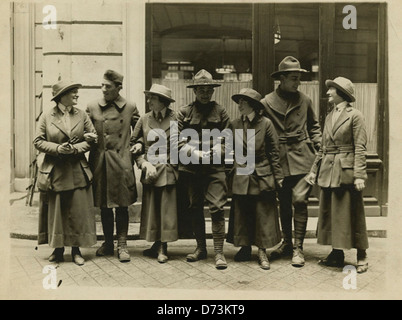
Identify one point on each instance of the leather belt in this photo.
(292, 138)
(337, 149)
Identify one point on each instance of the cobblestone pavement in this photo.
(199, 279)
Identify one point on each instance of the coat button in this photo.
(121, 120)
(120, 135)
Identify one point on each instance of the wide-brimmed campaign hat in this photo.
(343, 84)
(62, 86)
(203, 78)
(288, 64)
(161, 91)
(252, 96)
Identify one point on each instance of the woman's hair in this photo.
(343, 95)
(165, 101)
(57, 100)
(253, 104)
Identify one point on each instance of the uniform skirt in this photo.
(342, 220)
(254, 220)
(67, 218)
(159, 214)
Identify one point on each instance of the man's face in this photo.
(290, 81)
(204, 94)
(110, 90)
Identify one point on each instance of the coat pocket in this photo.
(44, 182)
(347, 171)
(266, 181)
(87, 170)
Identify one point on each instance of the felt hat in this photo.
(160, 91)
(343, 84)
(63, 86)
(252, 96)
(288, 64)
(203, 78)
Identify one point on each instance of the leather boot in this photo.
(57, 255)
(153, 251)
(122, 231)
(362, 261)
(335, 259)
(298, 257)
(244, 254)
(263, 259)
(198, 225)
(284, 250)
(162, 253)
(200, 252)
(218, 235)
(107, 218)
(298, 254)
(77, 256)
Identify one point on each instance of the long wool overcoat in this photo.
(298, 130)
(111, 160)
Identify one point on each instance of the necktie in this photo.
(336, 115)
(160, 117)
(66, 119)
(246, 124)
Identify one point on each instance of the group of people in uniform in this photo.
(291, 155)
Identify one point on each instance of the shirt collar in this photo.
(341, 106)
(163, 111)
(250, 116)
(119, 102)
(63, 108)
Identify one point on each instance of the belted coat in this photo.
(199, 117)
(340, 160)
(111, 160)
(60, 172)
(298, 130)
(266, 150)
(342, 156)
(167, 173)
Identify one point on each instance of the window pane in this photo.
(190, 37)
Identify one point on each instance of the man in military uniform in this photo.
(204, 181)
(110, 160)
(299, 139)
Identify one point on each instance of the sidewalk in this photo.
(24, 221)
(145, 278)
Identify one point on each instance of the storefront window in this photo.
(190, 37)
(297, 28)
(355, 55)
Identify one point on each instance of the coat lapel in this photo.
(276, 103)
(58, 122)
(343, 117)
(153, 123)
(74, 118)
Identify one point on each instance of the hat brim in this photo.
(160, 95)
(214, 85)
(255, 103)
(66, 88)
(277, 73)
(330, 83)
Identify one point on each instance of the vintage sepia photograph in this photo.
(200, 150)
